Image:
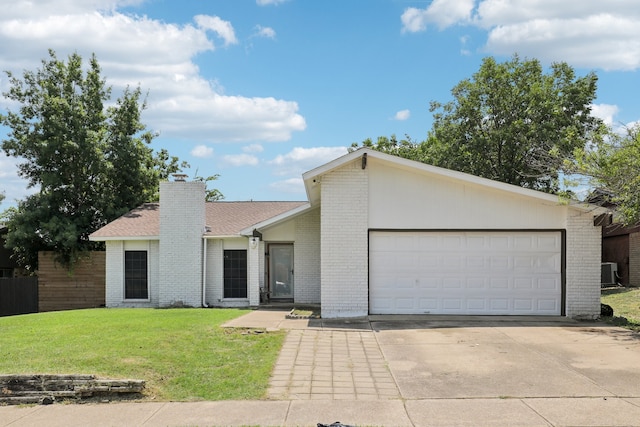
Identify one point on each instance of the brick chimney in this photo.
(182, 222)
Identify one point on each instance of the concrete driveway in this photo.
(457, 357)
(479, 357)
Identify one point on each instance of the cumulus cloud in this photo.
(402, 115)
(441, 13)
(589, 33)
(606, 112)
(157, 55)
(266, 32)
(240, 160)
(11, 184)
(253, 148)
(202, 151)
(301, 159)
(269, 2)
(224, 29)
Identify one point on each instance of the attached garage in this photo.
(466, 272)
(402, 237)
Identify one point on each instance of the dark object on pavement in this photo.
(336, 424)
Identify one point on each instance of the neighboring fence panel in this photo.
(18, 296)
(60, 289)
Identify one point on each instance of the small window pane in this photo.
(135, 275)
(235, 273)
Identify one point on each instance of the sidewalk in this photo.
(431, 412)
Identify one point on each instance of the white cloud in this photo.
(606, 112)
(138, 50)
(240, 160)
(13, 187)
(202, 151)
(301, 159)
(269, 2)
(157, 55)
(442, 13)
(589, 33)
(291, 186)
(266, 32)
(224, 29)
(253, 148)
(402, 115)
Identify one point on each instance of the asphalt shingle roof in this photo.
(222, 218)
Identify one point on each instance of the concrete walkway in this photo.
(332, 370)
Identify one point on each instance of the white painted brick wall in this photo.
(182, 222)
(214, 274)
(115, 273)
(634, 259)
(583, 266)
(262, 260)
(114, 268)
(344, 252)
(306, 258)
(154, 272)
(253, 272)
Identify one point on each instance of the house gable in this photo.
(406, 198)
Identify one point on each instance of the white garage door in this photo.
(465, 273)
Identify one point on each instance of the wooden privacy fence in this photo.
(61, 289)
(18, 296)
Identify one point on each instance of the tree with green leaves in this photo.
(91, 163)
(510, 122)
(613, 167)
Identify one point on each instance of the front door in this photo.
(281, 270)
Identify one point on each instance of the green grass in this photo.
(182, 354)
(626, 306)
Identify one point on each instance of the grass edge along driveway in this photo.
(182, 354)
(626, 306)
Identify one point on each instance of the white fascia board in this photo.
(222, 236)
(123, 238)
(277, 219)
(312, 178)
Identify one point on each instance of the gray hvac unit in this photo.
(609, 274)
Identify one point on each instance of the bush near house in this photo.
(626, 306)
(182, 354)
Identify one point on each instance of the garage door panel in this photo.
(465, 273)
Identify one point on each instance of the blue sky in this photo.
(260, 91)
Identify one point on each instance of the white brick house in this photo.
(378, 235)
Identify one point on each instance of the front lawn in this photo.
(626, 306)
(182, 354)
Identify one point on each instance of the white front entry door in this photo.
(474, 272)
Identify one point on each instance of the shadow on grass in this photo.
(623, 322)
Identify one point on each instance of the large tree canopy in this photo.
(91, 163)
(509, 122)
(614, 168)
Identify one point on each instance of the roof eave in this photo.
(312, 179)
(115, 238)
(276, 219)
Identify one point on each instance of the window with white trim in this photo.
(235, 273)
(136, 285)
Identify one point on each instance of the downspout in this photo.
(204, 273)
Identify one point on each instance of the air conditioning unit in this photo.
(609, 274)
